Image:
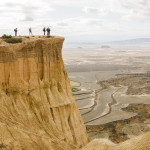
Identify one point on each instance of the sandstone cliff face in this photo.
(37, 109)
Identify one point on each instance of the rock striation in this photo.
(37, 109)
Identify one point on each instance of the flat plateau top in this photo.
(26, 39)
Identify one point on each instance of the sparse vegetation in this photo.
(10, 39)
(14, 40)
(48, 36)
(27, 37)
(6, 36)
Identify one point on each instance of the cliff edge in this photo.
(37, 109)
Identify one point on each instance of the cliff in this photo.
(37, 109)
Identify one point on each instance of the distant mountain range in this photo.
(137, 41)
(131, 41)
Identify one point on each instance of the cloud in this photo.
(28, 18)
(12, 5)
(94, 10)
(62, 24)
(24, 11)
(91, 10)
(29, 12)
(78, 26)
(94, 22)
(136, 9)
(80, 22)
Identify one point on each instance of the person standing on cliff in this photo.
(48, 31)
(16, 30)
(44, 30)
(30, 31)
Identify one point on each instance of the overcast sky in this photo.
(78, 20)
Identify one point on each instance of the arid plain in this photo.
(111, 86)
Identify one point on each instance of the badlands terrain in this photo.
(37, 107)
(111, 87)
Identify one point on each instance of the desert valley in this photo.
(111, 86)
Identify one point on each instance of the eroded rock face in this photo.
(37, 109)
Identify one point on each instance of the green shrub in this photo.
(13, 40)
(27, 37)
(6, 36)
(10, 39)
(48, 36)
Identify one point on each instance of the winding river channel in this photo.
(105, 105)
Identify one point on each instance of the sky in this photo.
(78, 20)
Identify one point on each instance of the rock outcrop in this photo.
(141, 142)
(37, 109)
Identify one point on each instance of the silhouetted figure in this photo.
(48, 31)
(30, 31)
(44, 30)
(16, 30)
